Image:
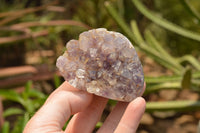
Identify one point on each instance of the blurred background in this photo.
(166, 35)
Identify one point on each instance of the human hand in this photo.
(87, 109)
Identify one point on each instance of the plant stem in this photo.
(162, 86)
(173, 105)
(190, 9)
(164, 23)
(191, 60)
(119, 21)
(161, 79)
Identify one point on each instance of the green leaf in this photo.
(31, 92)
(11, 95)
(120, 5)
(136, 32)
(155, 51)
(25, 120)
(20, 123)
(191, 60)
(57, 81)
(196, 82)
(111, 10)
(160, 59)
(155, 44)
(161, 79)
(12, 111)
(190, 9)
(112, 102)
(173, 105)
(162, 86)
(29, 106)
(198, 128)
(164, 23)
(186, 81)
(28, 87)
(196, 74)
(99, 124)
(36, 94)
(5, 128)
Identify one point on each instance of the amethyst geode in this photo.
(104, 63)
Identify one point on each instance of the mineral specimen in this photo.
(104, 63)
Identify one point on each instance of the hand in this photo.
(87, 109)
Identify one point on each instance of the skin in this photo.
(87, 110)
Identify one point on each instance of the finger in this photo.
(60, 105)
(113, 119)
(65, 86)
(88, 118)
(131, 118)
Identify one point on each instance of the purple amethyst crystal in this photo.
(104, 63)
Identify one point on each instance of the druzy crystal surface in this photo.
(104, 63)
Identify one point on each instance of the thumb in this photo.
(60, 105)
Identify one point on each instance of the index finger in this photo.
(60, 105)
